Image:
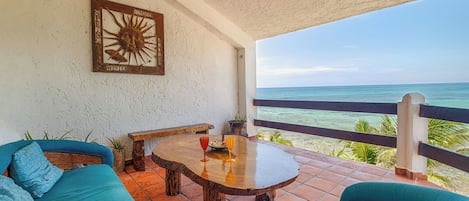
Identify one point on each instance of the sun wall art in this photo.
(126, 39)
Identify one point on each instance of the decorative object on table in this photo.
(217, 145)
(204, 144)
(237, 125)
(119, 156)
(126, 39)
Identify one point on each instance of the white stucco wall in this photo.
(47, 83)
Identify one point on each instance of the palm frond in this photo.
(432, 163)
(364, 152)
(387, 158)
(277, 138)
(260, 135)
(341, 153)
(364, 126)
(439, 179)
(388, 126)
(447, 134)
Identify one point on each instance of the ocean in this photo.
(446, 94)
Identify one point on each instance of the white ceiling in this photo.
(266, 18)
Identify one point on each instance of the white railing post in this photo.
(411, 129)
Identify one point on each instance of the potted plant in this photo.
(237, 124)
(119, 154)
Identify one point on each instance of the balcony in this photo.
(324, 177)
(321, 178)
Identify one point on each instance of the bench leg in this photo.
(269, 196)
(173, 182)
(138, 155)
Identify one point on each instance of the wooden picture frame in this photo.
(126, 39)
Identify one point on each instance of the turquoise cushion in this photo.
(7, 151)
(94, 182)
(31, 170)
(9, 191)
(390, 191)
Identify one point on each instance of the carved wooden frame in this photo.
(126, 39)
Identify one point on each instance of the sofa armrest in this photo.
(78, 147)
(390, 191)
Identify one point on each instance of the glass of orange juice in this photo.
(229, 142)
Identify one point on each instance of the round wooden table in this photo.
(258, 169)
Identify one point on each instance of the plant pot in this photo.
(119, 160)
(236, 127)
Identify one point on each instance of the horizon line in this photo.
(357, 85)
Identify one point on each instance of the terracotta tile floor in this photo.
(321, 178)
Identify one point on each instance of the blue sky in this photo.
(425, 41)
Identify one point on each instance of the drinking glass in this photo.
(229, 142)
(204, 144)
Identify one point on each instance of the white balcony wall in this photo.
(47, 83)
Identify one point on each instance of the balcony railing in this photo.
(442, 155)
(444, 113)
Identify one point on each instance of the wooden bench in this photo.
(138, 152)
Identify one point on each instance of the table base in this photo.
(173, 182)
(173, 188)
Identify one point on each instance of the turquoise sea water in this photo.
(447, 95)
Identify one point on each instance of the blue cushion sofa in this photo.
(392, 191)
(95, 181)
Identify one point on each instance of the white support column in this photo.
(411, 129)
(247, 86)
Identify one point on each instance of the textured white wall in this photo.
(46, 81)
(217, 23)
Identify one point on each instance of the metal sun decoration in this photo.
(126, 39)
